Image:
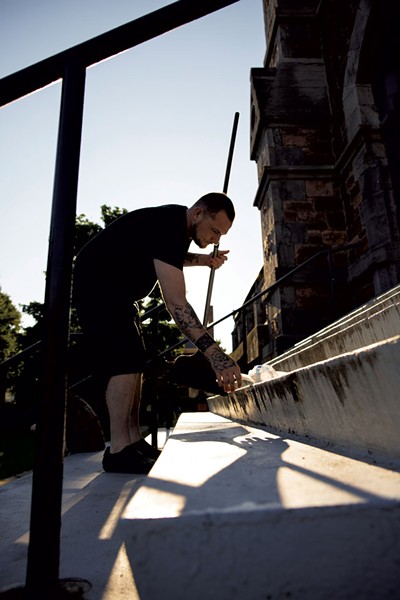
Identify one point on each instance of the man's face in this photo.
(207, 229)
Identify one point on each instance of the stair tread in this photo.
(212, 464)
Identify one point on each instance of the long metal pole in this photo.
(45, 526)
(225, 191)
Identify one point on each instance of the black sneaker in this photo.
(147, 449)
(129, 460)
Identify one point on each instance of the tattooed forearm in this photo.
(187, 320)
(220, 361)
(191, 259)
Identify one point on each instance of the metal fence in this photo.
(70, 66)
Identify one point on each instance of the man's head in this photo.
(210, 217)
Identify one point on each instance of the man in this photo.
(120, 266)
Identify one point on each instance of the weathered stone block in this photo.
(294, 233)
(318, 187)
(334, 238)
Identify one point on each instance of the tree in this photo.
(10, 323)
(84, 230)
(108, 214)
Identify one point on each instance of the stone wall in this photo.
(324, 176)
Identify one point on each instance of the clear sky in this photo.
(157, 127)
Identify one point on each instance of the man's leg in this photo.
(135, 433)
(123, 403)
(128, 452)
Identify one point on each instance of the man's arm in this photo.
(172, 285)
(206, 260)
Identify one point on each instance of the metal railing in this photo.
(70, 66)
(329, 252)
(269, 289)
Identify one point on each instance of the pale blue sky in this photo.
(157, 127)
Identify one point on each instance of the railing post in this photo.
(154, 388)
(44, 543)
(244, 340)
(332, 284)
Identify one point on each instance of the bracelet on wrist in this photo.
(204, 342)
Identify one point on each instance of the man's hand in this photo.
(217, 261)
(226, 369)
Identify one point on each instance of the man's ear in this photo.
(197, 215)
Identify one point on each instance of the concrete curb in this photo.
(350, 402)
(371, 323)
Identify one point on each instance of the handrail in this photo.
(106, 45)
(279, 281)
(269, 289)
(16, 358)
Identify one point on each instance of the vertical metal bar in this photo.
(154, 387)
(44, 543)
(332, 284)
(225, 191)
(230, 153)
(244, 340)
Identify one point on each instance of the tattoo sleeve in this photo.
(192, 259)
(187, 320)
(220, 361)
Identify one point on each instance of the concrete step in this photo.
(232, 511)
(349, 403)
(373, 322)
(228, 512)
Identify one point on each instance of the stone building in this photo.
(325, 135)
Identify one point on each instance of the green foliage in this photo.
(109, 214)
(84, 230)
(32, 333)
(25, 378)
(10, 323)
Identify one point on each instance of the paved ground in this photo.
(91, 544)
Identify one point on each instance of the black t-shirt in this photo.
(119, 259)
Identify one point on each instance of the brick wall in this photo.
(324, 179)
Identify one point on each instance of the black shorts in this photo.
(112, 333)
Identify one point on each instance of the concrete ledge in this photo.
(373, 322)
(231, 511)
(350, 402)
